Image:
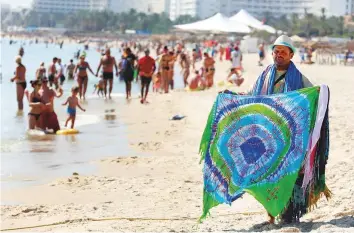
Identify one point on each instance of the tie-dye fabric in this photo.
(257, 144)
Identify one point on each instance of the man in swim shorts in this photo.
(146, 67)
(52, 70)
(61, 75)
(49, 119)
(107, 62)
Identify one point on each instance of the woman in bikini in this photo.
(36, 105)
(209, 70)
(164, 67)
(82, 77)
(20, 78)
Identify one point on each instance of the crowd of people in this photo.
(159, 71)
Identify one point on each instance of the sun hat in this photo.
(284, 41)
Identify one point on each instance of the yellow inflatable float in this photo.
(67, 131)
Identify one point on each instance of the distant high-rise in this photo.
(66, 6)
(198, 8)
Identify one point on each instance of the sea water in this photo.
(31, 160)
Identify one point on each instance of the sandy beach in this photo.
(162, 190)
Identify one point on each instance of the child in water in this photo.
(73, 102)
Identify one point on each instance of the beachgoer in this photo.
(146, 67)
(185, 65)
(36, 105)
(20, 78)
(164, 67)
(221, 52)
(70, 70)
(99, 87)
(108, 62)
(236, 59)
(60, 75)
(171, 71)
(208, 70)
(21, 52)
(49, 119)
(261, 54)
(196, 81)
(82, 77)
(194, 58)
(281, 77)
(41, 72)
(157, 82)
(228, 53)
(127, 72)
(235, 77)
(52, 70)
(72, 102)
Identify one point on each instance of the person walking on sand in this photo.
(52, 70)
(70, 70)
(127, 72)
(107, 62)
(49, 119)
(146, 68)
(20, 78)
(164, 67)
(208, 70)
(36, 105)
(72, 102)
(280, 77)
(171, 71)
(185, 65)
(82, 77)
(41, 72)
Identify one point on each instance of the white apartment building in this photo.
(146, 6)
(63, 6)
(281, 7)
(198, 8)
(275, 7)
(66, 6)
(335, 7)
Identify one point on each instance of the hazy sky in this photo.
(17, 3)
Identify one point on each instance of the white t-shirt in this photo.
(236, 58)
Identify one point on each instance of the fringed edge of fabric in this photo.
(313, 198)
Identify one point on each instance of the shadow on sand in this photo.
(343, 222)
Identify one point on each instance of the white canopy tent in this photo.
(217, 23)
(245, 18)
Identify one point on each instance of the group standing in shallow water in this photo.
(159, 71)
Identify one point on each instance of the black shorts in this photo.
(51, 78)
(62, 78)
(128, 78)
(107, 75)
(145, 80)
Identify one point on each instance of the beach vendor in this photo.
(274, 147)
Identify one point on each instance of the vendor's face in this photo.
(282, 55)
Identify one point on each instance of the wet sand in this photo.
(162, 189)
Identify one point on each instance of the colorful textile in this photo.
(257, 144)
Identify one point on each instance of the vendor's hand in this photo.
(84, 110)
(12, 80)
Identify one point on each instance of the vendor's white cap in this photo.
(285, 41)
